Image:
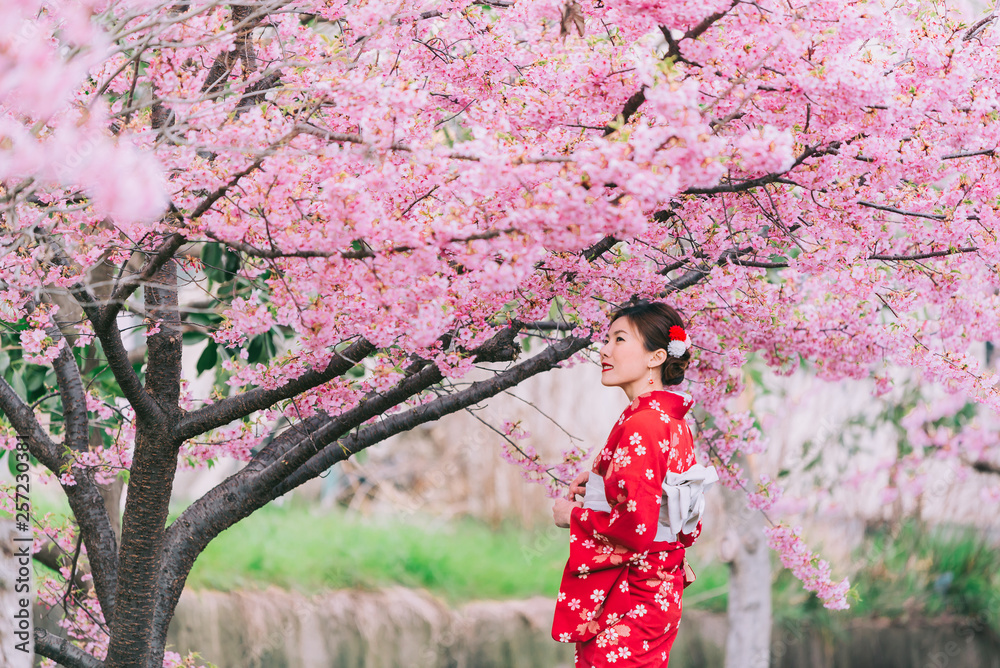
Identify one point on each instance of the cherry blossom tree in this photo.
(343, 207)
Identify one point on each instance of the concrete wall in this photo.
(411, 629)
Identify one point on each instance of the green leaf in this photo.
(208, 358)
(207, 319)
(211, 255)
(232, 264)
(34, 378)
(256, 352)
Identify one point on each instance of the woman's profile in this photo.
(620, 596)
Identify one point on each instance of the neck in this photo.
(633, 392)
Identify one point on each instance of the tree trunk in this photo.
(745, 549)
(17, 648)
(151, 480)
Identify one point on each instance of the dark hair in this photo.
(653, 321)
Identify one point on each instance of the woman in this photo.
(620, 597)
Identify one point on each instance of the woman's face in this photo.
(625, 362)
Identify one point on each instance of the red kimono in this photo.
(620, 596)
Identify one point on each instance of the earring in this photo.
(650, 376)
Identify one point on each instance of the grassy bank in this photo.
(900, 571)
(305, 549)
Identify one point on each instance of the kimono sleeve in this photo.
(632, 486)
(688, 539)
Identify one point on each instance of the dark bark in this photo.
(632, 105)
(163, 367)
(22, 418)
(600, 248)
(254, 94)
(245, 21)
(63, 652)
(91, 516)
(74, 399)
(777, 177)
(247, 491)
(150, 482)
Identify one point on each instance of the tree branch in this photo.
(125, 289)
(632, 105)
(51, 554)
(400, 422)
(72, 395)
(600, 248)
(750, 184)
(984, 466)
(349, 138)
(240, 405)
(892, 209)
(84, 496)
(733, 257)
(214, 512)
(970, 154)
(164, 345)
(275, 253)
(117, 356)
(979, 26)
(758, 265)
(548, 326)
(63, 652)
(924, 256)
(23, 419)
(707, 22)
(219, 193)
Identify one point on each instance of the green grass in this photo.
(304, 549)
(709, 591)
(901, 571)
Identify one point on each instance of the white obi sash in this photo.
(681, 504)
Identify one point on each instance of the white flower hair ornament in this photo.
(679, 342)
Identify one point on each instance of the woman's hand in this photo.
(579, 485)
(561, 510)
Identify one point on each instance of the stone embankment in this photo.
(400, 627)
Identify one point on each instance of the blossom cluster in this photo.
(807, 566)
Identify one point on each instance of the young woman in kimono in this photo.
(620, 596)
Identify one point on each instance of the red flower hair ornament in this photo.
(679, 342)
